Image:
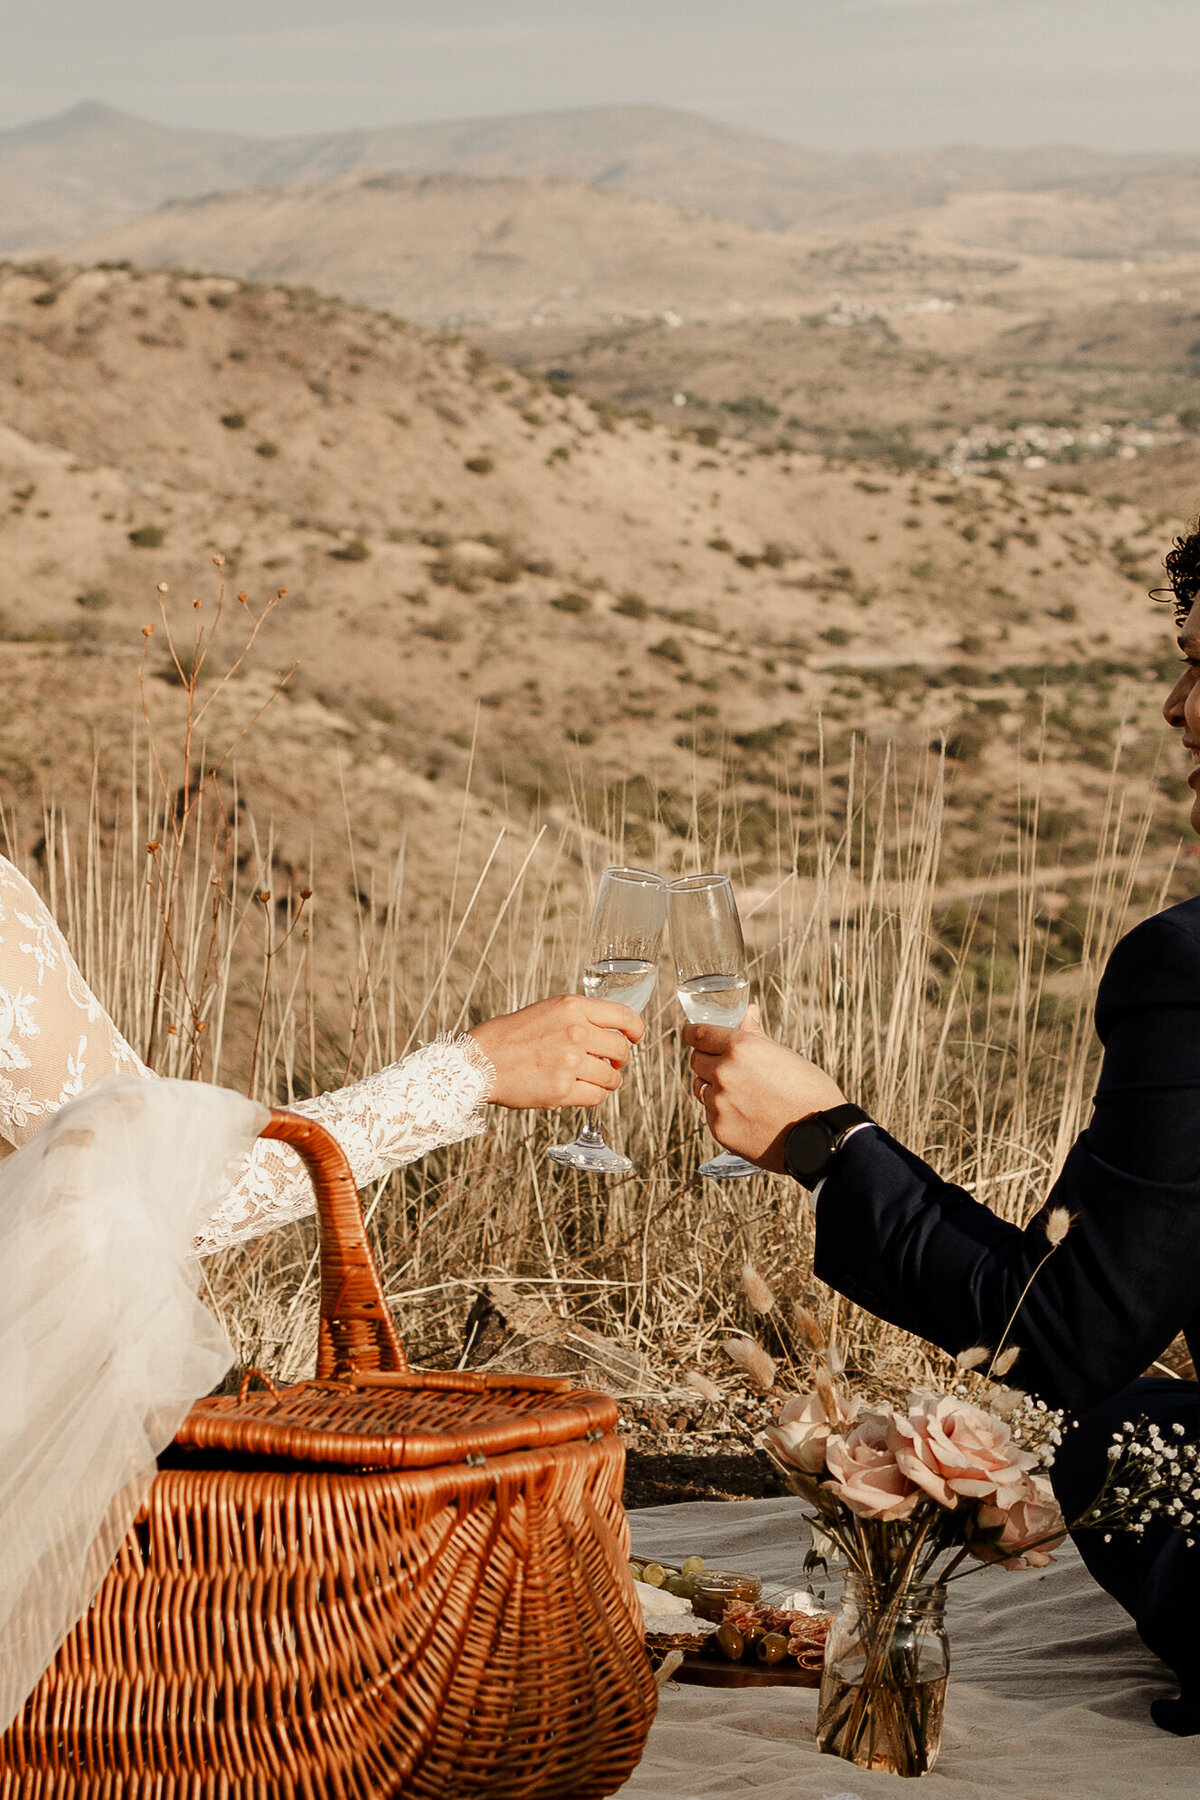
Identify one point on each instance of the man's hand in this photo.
(567, 1051)
(753, 1089)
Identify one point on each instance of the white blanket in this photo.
(1049, 1689)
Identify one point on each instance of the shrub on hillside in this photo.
(449, 629)
(147, 537)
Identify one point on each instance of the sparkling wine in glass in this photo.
(622, 964)
(710, 973)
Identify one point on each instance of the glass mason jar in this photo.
(883, 1686)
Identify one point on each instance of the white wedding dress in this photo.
(112, 1181)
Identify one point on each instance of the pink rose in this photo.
(866, 1475)
(1029, 1529)
(804, 1429)
(956, 1451)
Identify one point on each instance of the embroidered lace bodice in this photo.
(56, 1038)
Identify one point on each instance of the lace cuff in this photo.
(435, 1096)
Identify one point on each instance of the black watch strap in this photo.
(812, 1143)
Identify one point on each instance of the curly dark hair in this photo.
(1182, 563)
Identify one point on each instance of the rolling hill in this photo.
(482, 571)
(457, 249)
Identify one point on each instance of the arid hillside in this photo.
(884, 346)
(482, 571)
(1156, 214)
(448, 248)
(453, 249)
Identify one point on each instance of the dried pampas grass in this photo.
(756, 1290)
(753, 1359)
(808, 1328)
(1058, 1223)
(701, 1384)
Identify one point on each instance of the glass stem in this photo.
(589, 1135)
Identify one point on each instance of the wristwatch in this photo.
(812, 1143)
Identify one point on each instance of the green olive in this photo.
(752, 1634)
(771, 1648)
(679, 1586)
(731, 1642)
(654, 1574)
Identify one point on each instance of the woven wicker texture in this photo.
(275, 1627)
(398, 1421)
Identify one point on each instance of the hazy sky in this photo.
(838, 74)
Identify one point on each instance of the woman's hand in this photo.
(567, 1051)
(753, 1089)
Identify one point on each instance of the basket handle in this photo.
(356, 1334)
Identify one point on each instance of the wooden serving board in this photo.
(708, 1671)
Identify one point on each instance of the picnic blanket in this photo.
(1049, 1692)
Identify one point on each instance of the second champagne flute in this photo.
(710, 970)
(622, 964)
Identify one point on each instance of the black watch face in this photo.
(809, 1150)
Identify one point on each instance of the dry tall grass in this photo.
(212, 970)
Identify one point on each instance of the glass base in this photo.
(728, 1167)
(594, 1157)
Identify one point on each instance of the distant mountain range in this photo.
(72, 175)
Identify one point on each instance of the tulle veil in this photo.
(104, 1343)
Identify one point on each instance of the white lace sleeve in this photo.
(435, 1096)
(56, 1039)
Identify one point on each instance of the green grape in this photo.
(654, 1574)
(693, 1565)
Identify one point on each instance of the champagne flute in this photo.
(622, 964)
(710, 970)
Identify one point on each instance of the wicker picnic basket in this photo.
(380, 1582)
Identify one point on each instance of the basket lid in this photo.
(367, 1409)
(415, 1419)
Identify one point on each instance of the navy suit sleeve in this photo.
(894, 1237)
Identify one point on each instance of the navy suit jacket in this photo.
(894, 1237)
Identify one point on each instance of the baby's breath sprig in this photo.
(1152, 1474)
